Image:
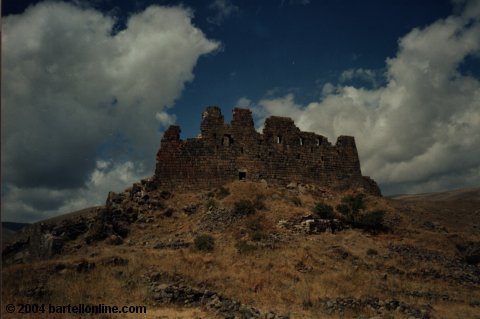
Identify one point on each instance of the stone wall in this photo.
(281, 154)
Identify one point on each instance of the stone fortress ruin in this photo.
(281, 154)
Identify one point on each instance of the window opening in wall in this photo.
(278, 139)
(227, 140)
(269, 153)
(241, 150)
(302, 141)
(298, 156)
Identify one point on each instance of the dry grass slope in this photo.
(288, 272)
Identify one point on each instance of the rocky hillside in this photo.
(253, 250)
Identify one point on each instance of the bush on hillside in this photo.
(244, 207)
(372, 221)
(343, 209)
(324, 211)
(204, 243)
(258, 235)
(351, 206)
(356, 203)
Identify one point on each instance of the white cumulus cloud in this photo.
(74, 93)
(421, 130)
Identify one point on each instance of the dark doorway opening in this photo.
(242, 176)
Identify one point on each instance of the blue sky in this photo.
(89, 86)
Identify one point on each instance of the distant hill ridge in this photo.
(13, 226)
(9, 229)
(466, 194)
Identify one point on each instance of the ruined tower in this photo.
(281, 154)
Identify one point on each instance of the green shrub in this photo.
(351, 207)
(372, 221)
(222, 192)
(244, 207)
(257, 235)
(324, 211)
(343, 209)
(355, 203)
(204, 243)
(243, 247)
